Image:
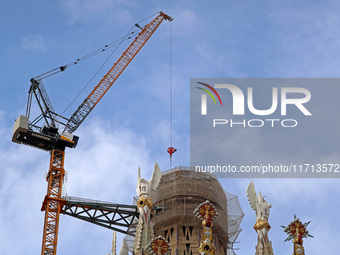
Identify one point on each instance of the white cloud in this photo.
(34, 43)
(22, 189)
(103, 167)
(106, 162)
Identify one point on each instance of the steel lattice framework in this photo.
(117, 217)
(53, 202)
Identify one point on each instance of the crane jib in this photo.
(106, 82)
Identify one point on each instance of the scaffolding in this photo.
(180, 191)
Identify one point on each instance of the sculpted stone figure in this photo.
(144, 187)
(262, 210)
(144, 230)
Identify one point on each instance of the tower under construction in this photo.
(178, 194)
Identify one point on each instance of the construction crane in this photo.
(48, 137)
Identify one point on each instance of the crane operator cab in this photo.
(47, 139)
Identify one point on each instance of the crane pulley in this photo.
(49, 138)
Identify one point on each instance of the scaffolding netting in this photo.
(180, 191)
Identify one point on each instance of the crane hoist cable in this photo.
(171, 149)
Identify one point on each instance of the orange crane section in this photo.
(53, 203)
(106, 82)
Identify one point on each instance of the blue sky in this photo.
(130, 126)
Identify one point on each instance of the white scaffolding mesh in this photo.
(179, 193)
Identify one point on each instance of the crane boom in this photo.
(112, 75)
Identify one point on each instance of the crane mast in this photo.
(49, 139)
(53, 202)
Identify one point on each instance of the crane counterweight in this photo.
(47, 139)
